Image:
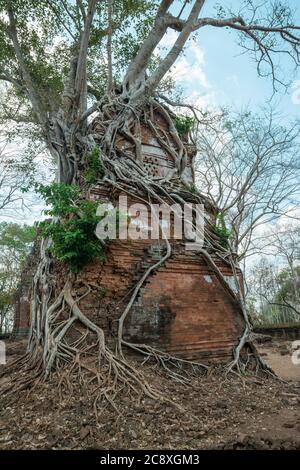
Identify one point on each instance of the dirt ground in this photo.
(218, 413)
(278, 354)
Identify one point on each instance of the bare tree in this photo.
(279, 288)
(272, 293)
(248, 165)
(15, 173)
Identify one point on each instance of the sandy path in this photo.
(282, 364)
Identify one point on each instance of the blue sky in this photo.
(224, 75)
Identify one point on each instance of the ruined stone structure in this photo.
(182, 308)
(22, 297)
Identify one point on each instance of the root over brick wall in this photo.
(182, 307)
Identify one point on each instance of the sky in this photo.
(214, 69)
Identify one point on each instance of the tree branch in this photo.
(14, 81)
(285, 32)
(237, 22)
(139, 64)
(31, 88)
(80, 80)
(178, 46)
(70, 14)
(109, 46)
(58, 16)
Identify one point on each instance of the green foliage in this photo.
(39, 25)
(275, 291)
(184, 125)
(94, 170)
(288, 285)
(15, 243)
(48, 33)
(222, 231)
(73, 229)
(62, 198)
(192, 188)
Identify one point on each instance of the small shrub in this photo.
(95, 170)
(184, 124)
(192, 188)
(73, 229)
(222, 231)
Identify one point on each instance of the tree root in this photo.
(178, 369)
(99, 371)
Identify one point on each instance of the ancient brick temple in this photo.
(22, 296)
(182, 308)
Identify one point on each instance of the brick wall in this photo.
(182, 308)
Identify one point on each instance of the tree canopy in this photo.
(46, 44)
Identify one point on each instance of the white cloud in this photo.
(206, 101)
(289, 220)
(233, 80)
(168, 39)
(190, 68)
